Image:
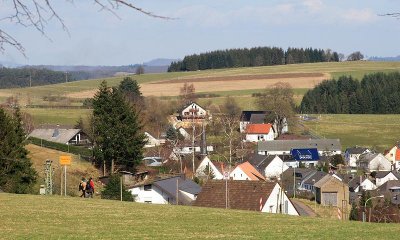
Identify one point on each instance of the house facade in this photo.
(269, 166)
(331, 192)
(374, 162)
(259, 132)
(383, 176)
(246, 171)
(353, 154)
(193, 112)
(170, 190)
(206, 164)
(325, 147)
(260, 196)
(260, 117)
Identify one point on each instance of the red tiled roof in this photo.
(243, 195)
(397, 158)
(258, 128)
(250, 171)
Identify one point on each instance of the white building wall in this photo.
(381, 181)
(203, 165)
(154, 196)
(367, 185)
(279, 197)
(380, 163)
(275, 168)
(260, 137)
(238, 174)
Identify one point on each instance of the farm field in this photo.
(55, 217)
(377, 131)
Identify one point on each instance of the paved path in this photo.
(303, 209)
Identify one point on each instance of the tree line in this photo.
(253, 57)
(25, 77)
(377, 93)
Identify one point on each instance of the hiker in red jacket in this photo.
(91, 184)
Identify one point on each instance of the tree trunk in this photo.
(104, 168)
(112, 166)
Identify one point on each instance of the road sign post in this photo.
(64, 161)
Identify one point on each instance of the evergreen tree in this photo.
(118, 136)
(112, 191)
(16, 172)
(353, 212)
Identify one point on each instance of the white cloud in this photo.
(313, 5)
(360, 16)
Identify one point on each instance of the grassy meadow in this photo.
(55, 217)
(377, 131)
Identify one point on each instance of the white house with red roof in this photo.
(259, 132)
(246, 171)
(393, 155)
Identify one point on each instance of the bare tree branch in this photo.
(37, 14)
(395, 15)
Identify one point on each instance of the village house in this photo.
(61, 135)
(308, 182)
(259, 132)
(371, 162)
(391, 191)
(246, 171)
(361, 183)
(260, 196)
(206, 166)
(330, 191)
(168, 190)
(193, 112)
(393, 155)
(353, 154)
(382, 177)
(152, 141)
(260, 117)
(325, 147)
(269, 166)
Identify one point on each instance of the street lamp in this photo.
(365, 205)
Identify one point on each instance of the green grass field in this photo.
(377, 131)
(46, 217)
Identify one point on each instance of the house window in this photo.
(147, 187)
(147, 201)
(270, 208)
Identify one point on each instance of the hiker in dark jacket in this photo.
(82, 187)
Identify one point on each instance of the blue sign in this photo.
(305, 154)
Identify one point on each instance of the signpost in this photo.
(64, 161)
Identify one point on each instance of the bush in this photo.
(112, 190)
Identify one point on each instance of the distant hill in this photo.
(160, 62)
(385, 59)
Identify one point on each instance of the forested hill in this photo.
(377, 93)
(23, 77)
(253, 57)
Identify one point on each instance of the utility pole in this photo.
(66, 77)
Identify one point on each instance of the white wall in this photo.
(260, 137)
(391, 155)
(277, 196)
(238, 174)
(154, 196)
(367, 185)
(275, 168)
(381, 181)
(203, 165)
(380, 163)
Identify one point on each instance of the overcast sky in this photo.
(100, 38)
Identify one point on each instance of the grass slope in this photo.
(377, 131)
(43, 217)
(77, 170)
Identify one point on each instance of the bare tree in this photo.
(37, 14)
(187, 93)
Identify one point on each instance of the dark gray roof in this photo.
(286, 145)
(387, 185)
(367, 157)
(317, 175)
(356, 150)
(301, 173)
(246, 115)
(382, 174)
(169, 185)
(260, 162)
(55, 134)
(355, 182)
(257, 118)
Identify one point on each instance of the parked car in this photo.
(152, 161)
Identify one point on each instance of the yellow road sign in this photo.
(65, 160)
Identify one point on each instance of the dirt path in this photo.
(303, 209)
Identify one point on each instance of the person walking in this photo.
(91, 186)
(82, 187)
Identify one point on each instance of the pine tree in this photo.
(112, 191)
(16, 172)
(354, 212)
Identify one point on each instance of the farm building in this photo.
(330, 191)
(59, 135)
(326, 147)
(257, 196)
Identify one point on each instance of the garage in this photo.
(329, 198)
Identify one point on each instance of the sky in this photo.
(99, 37)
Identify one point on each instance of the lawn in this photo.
(54, 217)
(377, 131)
(57, 116)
